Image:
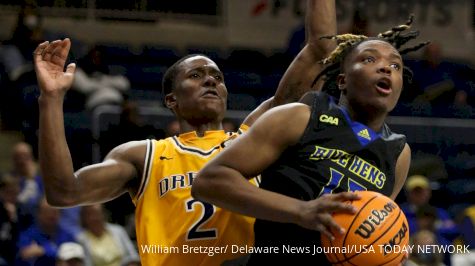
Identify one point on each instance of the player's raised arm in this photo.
(91, 184)
(320, 20)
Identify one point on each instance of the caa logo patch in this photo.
(329, 119)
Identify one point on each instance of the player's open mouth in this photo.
(210, 94)
(384, 86)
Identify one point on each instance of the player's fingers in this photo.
(337, 206)
(55, 55)
(323, 230)
(71, 68)
(66, 44)
(38, 53)
(343, 196)
(48, 52)
(333, 226)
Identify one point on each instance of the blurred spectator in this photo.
(93, 80)
(467, 227)
(419, 194)
(105, 244)
(26, 171)
(70, 220)
(16, 54)
(70, 254)
(460, 106)
(39, 244)
(433, 258)
(467, 237)
(426, 218)
(9, 189)
(437, 80)
(16, 60)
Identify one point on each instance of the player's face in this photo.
(200, 91)
(372, 78)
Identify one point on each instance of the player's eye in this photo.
(396, 66)
(369, 59)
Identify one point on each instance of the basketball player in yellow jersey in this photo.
(198, 230)
(172, 227)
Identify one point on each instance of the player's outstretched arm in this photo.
(320, 20)
(223, 181)
(91, 184)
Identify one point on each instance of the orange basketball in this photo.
(378, 234)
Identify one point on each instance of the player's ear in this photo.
(170, 100)
(341, 81)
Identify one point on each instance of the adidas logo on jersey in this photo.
(364, 134)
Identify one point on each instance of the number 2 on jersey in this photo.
(195, 232)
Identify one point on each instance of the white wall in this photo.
(444, 21)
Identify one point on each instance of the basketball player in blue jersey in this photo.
(158, 174)
(306, 152)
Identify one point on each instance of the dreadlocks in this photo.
(346, 43)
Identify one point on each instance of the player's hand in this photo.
(317, 214)
(49, 59)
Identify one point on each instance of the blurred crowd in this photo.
(33, 233)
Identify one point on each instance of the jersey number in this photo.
(335, 180)
(195, 233)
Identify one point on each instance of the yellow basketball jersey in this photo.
(172, 227)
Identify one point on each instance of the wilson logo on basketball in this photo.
(369, 225)
(396, 239)
(378, 223)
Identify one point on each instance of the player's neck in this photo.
(200, 128)
(373, 119)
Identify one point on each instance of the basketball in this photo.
(377, 234)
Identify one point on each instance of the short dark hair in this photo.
(168, 81)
